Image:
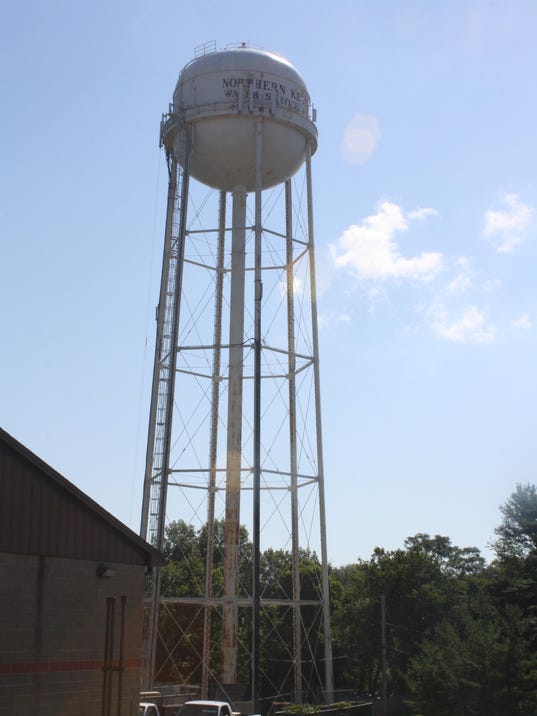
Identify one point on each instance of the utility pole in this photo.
(384, 702)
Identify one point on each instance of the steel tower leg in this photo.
(234, 439)
(297, 655)
(258, 297)
(329, 678)
(215, 407)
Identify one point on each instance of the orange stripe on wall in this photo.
(41, 667)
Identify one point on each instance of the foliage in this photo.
(306, 709)
(461, 634)
(182, 622)
(517, 534)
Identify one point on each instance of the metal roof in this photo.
(42, 513)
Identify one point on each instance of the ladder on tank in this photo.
(161, 410)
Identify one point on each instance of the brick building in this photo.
(71, 596)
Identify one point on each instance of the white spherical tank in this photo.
(217, 101)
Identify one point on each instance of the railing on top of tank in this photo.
(239, 45)
(208, 48)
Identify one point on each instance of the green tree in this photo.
(183, 574)
(479, 659)
(458, 669)
(451, 560)
(425, 585)
(514, 589)
(462, 665)
(180, 623)
(517, 533)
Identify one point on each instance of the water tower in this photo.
(234, 473)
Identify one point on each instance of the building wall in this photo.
(58, 619)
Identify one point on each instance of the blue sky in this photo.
(425, 195)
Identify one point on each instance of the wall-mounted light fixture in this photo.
(104, 571)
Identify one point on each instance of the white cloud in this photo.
(523, 322)
(471, 327)
(506, 228)
(377, 295)
(462, 282)
(421, 213)
(324, 269)
(493, 284)
(328, 319)
(369, 250)
(360, 139)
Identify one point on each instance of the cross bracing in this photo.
(188, 476)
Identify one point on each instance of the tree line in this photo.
(461, 634)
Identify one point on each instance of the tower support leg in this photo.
(329, 676)
(234, 439)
